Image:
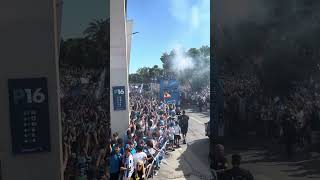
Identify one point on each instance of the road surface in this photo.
(191, 160)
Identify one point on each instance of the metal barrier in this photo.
(154, 159)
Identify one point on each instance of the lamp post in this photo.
(133, 33)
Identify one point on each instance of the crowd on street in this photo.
(155, 129)
(199, 98)
(284, 119)
(85, 122)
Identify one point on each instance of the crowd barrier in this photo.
(150, 166)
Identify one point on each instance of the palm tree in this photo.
(98, 31)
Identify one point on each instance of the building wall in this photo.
(118, 62)
(28, 49)
(129, 38)
(58, 10)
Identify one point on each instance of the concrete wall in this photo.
(59, 6)
(28, 49)
(129, 37)
(118, 63)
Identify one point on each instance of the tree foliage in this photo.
(197, 75)
(92, 49)
(146, 75)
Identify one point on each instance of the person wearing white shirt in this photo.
(139, 156)
(177, 132)
(170, 132)
(128, 167)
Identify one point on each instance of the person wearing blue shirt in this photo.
(128, 136)
(121, 146)
(132, 149)
(115, 163)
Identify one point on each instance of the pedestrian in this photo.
(127, 164)
(115, 163)
(115, 136)
(220, 163)
(289, 136)
(237, 173)
(184, 121)
(171, 136)
(200, 104)
(139, 156)
(140, 171)
(178, 112)
(177, 132)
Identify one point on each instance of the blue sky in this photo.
(164, 25)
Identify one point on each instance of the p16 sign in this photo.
(29, 115)
(28, 95)
(119, 98)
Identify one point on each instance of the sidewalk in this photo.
(183, 164)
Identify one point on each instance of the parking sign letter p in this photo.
(18, 94)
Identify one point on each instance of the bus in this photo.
(170, 91)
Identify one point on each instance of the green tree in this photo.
(93, 49)
(196, 76)
(135, 78)
(98, 31)
(146, 74)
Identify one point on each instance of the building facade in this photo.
(29, 51)
(120, 45)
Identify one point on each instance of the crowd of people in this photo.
(244, 85)
(222, 171)
(199, 98)
(84, 98)
(155, 129)
(288, 119)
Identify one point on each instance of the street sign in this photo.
(29, 115)
(119, 98)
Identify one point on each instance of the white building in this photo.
(120, 45)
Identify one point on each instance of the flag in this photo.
(141, 89)
(167, 95)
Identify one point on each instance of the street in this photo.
(191, 160)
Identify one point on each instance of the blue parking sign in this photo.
(29, 115)
(119, 98)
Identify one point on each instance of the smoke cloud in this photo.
(193, 70)
(181, 61)
(194, 16)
